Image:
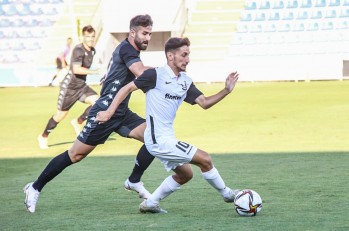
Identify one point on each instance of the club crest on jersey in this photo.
(184, 86)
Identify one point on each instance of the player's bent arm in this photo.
(207, 102)
(78, 69)
(138, 68)
(104, 116)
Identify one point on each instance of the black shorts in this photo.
(94, 133)
(68, 97)
(59, 63)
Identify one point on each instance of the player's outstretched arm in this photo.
(209, 101)
(104, 116)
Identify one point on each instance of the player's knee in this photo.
(76, 157)
(183, 178)
(206, 163)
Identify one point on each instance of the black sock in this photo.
(143, 160)
(51, 124)
(55, 167)
(84, 115)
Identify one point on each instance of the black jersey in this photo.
(118, 75)
(80, 56)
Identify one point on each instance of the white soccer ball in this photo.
(248, 203)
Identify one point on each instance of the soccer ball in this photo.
(248, 203)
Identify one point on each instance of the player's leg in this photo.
(88, 96)
(183, 174)
(133, 127)
(203, 160)
(50, 126)
(76, 153)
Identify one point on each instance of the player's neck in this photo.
(86, 47)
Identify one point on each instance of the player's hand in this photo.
(103, 116)
(231, 80)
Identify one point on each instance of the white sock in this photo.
(214, 178)
(168, 186)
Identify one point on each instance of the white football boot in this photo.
(230, 197)
(138, 188)
(43, 141)
(77, 127)
(31, 197)
(143, 208)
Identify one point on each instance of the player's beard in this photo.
(141, 45)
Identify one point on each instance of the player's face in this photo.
(181, 58)
(142, 37)
(88, 39)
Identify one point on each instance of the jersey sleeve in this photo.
(129, 55)
(147, 80)
(192, 94)
(78, 55)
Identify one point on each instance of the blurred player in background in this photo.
(166, 88)
(124, 66)
(61, 62)
(74, 87)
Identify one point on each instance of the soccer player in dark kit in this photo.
(124, 67)
(74, 87)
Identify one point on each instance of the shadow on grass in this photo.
(71, 142)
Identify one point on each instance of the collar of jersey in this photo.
(171, 73)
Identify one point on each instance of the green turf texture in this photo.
(287, 141)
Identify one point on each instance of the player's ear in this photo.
(133, 32)
(169, 56)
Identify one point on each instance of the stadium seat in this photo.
(278, 4)
(316, 14)
(271, 27)
(334, 3)
(320, 3)
(299, 27)
(9, 9)
(344, 13)
(5, 23)
(246, 17)
(302, 15)
(284, 27)
(23, 9)
(346, 3)
(292, 4)
(260, 16)
(251, 5)
(330, 13)
(327, 25)
(264, 5)
(288, 15)
(313, 26)
(306, 4)
(274, 16)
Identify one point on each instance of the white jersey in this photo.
(165, 92)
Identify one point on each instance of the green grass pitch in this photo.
(288, 141)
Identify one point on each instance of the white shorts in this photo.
(172, 152)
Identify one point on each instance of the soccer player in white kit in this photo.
(166, 88)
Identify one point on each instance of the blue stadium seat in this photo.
(334, 3)
(274, 16)
(256, 28)
(346, 3)
(288, 16)
(299, 27)
(9, 9)
(330, 13)
(260, 16)
(316, 14)
(306, 4)
(313, 26)
(320, 3)
(251, 6)
(344, 13)
(292, 4)
(242, 28)
(264, 5)
(284, 27)
(342, 25)
(278, 4)
(246, 17)
(5, 23)
(23, 9)
(327, 26)
(302, 15)
(18, 23)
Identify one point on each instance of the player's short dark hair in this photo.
(88, 28)
(174, 43)
(141, 20)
